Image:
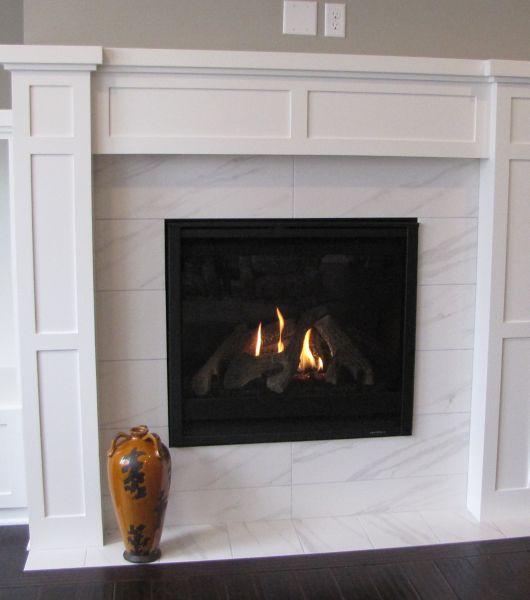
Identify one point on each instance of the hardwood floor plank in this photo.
(464, 581)
(428, 581)
(318, 584)
(58, 592)
(95, 591)
(24, 593)
(241, 586)
(506, 574)
(207, 588)
(171, 589)
(133, 590)
(355, 584)
(278, 585)
(392, 583)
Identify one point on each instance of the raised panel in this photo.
(61, 446)
(512, 464)
(54, 246)
(51, 111)
(206, 113)
(520, 126)
(391, 116)
(517, 303)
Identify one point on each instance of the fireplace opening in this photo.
(290, 329)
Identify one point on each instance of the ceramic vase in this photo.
(139, 472)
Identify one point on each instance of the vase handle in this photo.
(120, 437)
(155, 438)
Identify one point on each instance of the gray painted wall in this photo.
(11, 32)
(443, 28)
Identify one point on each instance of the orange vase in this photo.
(139, 471)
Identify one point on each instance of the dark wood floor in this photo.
(474, 571)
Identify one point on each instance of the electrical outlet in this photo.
(335, 24)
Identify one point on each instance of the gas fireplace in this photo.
(290, 329)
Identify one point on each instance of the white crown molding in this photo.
(22, 57)
(6, 123)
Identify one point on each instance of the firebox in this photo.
(290, 329)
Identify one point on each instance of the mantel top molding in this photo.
(15, 57)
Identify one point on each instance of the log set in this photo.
(235, 364)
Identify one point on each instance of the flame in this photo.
(307, 360)
(320, 364)
(281, 325)
(258, 342)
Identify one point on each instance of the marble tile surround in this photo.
(230, 485)
(188, 543)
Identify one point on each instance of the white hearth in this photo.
(217, 135)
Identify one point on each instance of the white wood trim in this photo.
(6, 124)
(55, 522)
(430, 107)
(16, 54)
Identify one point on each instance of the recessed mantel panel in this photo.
(203, 113)
(392, 116)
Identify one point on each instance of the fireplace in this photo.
(290, 329)
(303, 113)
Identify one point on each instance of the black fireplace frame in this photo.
(176, 231)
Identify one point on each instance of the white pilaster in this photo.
(498, 478)
(52, 229)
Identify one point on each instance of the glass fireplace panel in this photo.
(290, 329)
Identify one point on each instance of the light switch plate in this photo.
(299, 17)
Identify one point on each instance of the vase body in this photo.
(139, 472)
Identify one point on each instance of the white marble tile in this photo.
(385, 187)
(514, 526)
(110, 555)
(232, 466)
(195, 542)
(225, 506)
(131, 325)
(139, 187)
(132, 392)
(447, 251)
(129, 254)
(379, 496)
(438, 446)
(443, 381)
(107, 511)
(332, 534)
(397, 530)
(71, 558)
(263, 538)
(459, 526)
(446, 317)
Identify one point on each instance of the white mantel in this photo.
(72, 102)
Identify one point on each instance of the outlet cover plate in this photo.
(299, 17)
(335, 20)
